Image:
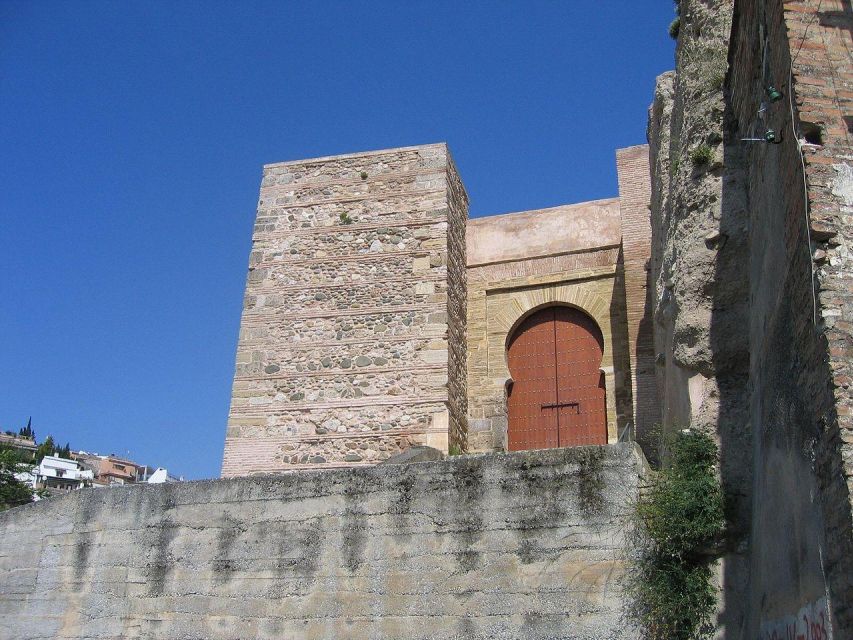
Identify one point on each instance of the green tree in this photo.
(27, 432)
(46, 448)
(13, 492)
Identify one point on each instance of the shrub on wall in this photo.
(703, 154)
(678, 520)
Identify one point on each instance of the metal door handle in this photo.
(557, 405)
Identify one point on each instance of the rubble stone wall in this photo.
(354, 287)
(526, 545)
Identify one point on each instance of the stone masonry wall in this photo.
(525, 545)
(753, 296)
(353, 289)
(457, 308)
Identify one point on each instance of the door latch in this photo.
(560, 405)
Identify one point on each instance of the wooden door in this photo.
(557, 398)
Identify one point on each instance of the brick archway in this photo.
(557, 397)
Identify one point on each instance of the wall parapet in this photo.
(486, 546)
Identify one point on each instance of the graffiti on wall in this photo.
(812, 622)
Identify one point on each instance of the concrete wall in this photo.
(519, 262)
(753, 296)
(525, 545)
(343, 352)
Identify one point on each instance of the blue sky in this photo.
(132, 136)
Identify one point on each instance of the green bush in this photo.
(703, 154)
(454, 450)
(674, 28)
(13, 492)
(345, 218)
(678, 520)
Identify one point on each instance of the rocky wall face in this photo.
(353, 292)
(525, 545)
(700, 276)
(753, 296)
(457, 305)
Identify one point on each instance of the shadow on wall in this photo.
(621, 355)
(777, 424)
(647, 403)
(729, 338)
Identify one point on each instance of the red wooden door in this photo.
(557, 398)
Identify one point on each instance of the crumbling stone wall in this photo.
(457, 309)
(753, 295)
(354, 287)
(525, 545)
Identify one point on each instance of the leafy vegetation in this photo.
(345, 218)
(674, 28)
(13, 492)
(454, 450)
(679, 518)
(701, 155)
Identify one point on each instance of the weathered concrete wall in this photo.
(519, 262)
(525, 545)
(356, 280)
(745, 350)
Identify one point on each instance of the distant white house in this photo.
(160, 476)
(54, 472)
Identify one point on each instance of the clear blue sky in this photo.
(132, 136)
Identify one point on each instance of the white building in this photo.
(59, 473)
(160, 476)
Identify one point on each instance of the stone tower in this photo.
(352, 339)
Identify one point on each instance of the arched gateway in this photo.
(557, 396)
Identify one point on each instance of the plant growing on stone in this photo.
(345, 218)
(701, 155)
(669, 584)
(674, 28)
(364, 175)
